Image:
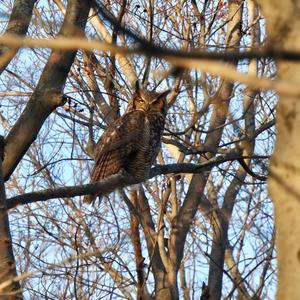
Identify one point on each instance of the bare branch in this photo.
(48, 93)
(18, 24)
(120, 180)
(203, 61)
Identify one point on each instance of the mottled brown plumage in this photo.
(133, 141)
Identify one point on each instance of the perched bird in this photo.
(133, 141)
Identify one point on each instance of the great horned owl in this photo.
(133, 141)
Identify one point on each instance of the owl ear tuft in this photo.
(137, 88)
(164, 94)
(137, 94)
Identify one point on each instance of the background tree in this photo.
(202, 225)
(283, 32)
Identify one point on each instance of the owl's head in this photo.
(150, 101)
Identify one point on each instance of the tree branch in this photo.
(48, 94)
(18, 24)
(120, 180)
(204, 61)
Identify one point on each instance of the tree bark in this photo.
(18, 24)
(283, 31)
(193, 200)
(48, 94)
(8, 272)
(163, 288)
(44, 100)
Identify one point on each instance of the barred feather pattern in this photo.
(133, 141)
(131, 144)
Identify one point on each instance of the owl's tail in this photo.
(89, 199)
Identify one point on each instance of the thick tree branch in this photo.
(7, 259)
(193, 199)
(18, 24)
(204, 61)
(48, 94)
(105, 186)
(282, 19)
(69, 44)
(120, 180)
(155, 50)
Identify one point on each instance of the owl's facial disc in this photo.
(141, 104)
(150, 101)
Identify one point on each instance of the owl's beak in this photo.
(147, 107)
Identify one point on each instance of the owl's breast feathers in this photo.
(131, 143)
(156, 128)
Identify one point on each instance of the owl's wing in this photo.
(117, 144)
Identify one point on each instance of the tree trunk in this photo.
(48, 93)
(283, 27)
(9, 289)
(44, 100)
(18, 24)
(164, 290)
